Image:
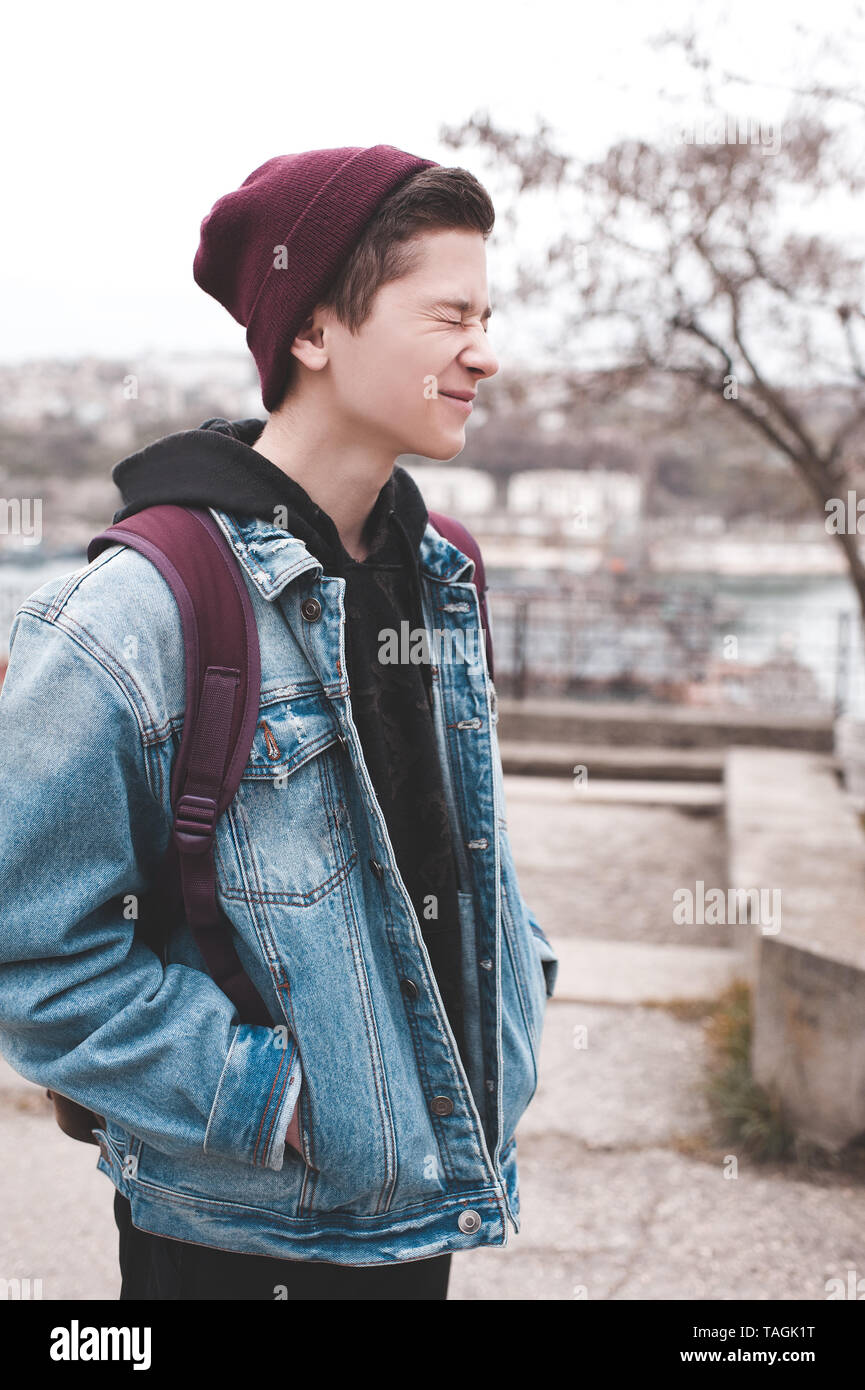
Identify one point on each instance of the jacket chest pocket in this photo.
(290, 817)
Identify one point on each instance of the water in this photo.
(797, 616)
(669, 629)
(19, 580)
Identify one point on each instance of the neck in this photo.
(346, 486)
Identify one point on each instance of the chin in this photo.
(442, 450)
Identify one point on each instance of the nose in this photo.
(478, 356)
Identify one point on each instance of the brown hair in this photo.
(431, 200)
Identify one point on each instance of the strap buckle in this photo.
(194, 823)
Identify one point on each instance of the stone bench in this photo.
(792, 827)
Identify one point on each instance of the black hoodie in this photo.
(215, 466)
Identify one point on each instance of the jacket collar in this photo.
(273, 558)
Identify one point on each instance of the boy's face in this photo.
(385, 386)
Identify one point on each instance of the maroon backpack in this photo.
(223, 679)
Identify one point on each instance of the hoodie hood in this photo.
(216, 466)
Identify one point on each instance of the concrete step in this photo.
(591, 723)
(697, 797)
(613, 762)
(624, 972)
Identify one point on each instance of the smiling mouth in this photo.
(455, 400)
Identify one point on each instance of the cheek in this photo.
(389, 380)
(365, 384)
(409, 383)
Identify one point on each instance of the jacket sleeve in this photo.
(549, 959)
(86, 1009)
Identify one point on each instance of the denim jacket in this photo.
(409, 1148)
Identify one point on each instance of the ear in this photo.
(309, 345)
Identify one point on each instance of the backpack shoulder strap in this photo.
(460, 536)
(223, 680)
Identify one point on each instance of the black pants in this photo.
(158, 1267)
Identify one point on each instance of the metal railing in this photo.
(675, 645)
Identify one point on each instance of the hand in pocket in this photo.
(292, 1134)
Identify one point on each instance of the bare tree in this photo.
(689, 267)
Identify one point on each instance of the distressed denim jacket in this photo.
(408, 1148)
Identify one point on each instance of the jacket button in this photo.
(441, 1105)
(378, 869)
(468, 1221)
(409, 989)
(311, 609)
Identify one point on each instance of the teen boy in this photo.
(364, 864)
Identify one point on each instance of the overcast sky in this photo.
(122, 124)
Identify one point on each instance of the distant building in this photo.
(464, 491)
(573, 502)
(584, 503)
(113, 396)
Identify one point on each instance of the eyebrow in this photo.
(462, 304)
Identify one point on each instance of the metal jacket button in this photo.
(468, 1221)
(409, 989)
(441, 1105)
(378, 869)
(311, 609)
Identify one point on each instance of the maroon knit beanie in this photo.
(315, 205)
